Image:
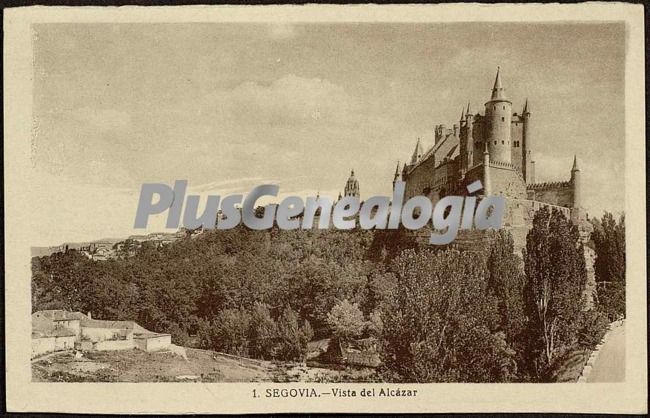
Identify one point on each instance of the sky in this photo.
(229, 106)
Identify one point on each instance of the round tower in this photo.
(498, 115)
(470, 137)
(352, 186)
(575, 181)
(527, 144)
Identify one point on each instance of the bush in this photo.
(611, 300)
(592, 326)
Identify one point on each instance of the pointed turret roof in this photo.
(469, 111)
(417, 153)
(462, 115)
(525, 107)
(498, 92)
(575, 163)
(397, 176)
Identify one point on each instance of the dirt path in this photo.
(610, 364)
(55, 353)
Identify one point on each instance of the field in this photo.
(179, 365)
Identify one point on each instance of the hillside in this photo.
(170, 366)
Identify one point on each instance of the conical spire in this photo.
(397, 169)
(469, 111)
(462, 115)
(575, 163)
(417, 153)
(497, 91)
(525, 107)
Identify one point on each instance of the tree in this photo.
(231, 331)
(346, 320)
(556, 276)
(439, 322)
(506, 282)
(292, 338)
(609, 243)
(263, 333)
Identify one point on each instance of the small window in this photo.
(495, 142)
(504, 108)
(502, 142)
(503, 119)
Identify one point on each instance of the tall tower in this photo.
(352, 186)
(576, 182)
(463, 142)
(469, 139)
(498, 115)
(528, 165)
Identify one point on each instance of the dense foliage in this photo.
(437, 313)
(609, 243)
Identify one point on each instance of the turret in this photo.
(487, 183)
(528, 166)
(576, 182)
(397, 176)
(417, 153)
(470, 137)
(498, 115)
(352, 186)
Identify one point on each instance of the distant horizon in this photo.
(293, 105)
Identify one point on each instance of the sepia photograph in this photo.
(385, 204)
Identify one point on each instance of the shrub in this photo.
(592, 326)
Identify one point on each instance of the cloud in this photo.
(289, 100)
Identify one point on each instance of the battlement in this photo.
(549, 185)
(508, 166)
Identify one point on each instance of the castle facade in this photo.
(497, 148)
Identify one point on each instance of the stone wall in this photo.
(111, 345)
(555, 193)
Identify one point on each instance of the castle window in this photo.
(503, 119)
(502, 142)
(504, 108)
(495, 142)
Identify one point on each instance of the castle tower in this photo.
(398, 176)
(417, 153)
(352, 186)
(469, 139)
(498, 114)
(463, 143)
(528, 164)
(576, 182)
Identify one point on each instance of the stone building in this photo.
(57, 330)
(497, 148)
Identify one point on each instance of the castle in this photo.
(496, 148)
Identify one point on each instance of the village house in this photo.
(56, 330)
